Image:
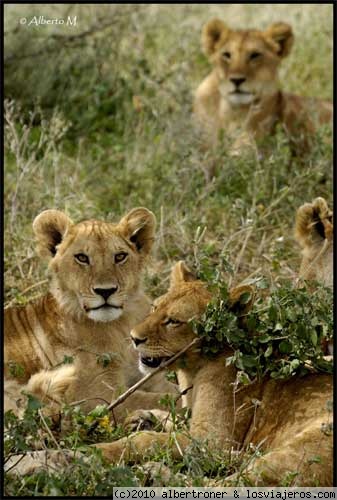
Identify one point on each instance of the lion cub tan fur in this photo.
(94, 301)
(285, 419)
(314, 232)
(242, 94)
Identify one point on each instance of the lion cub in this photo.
(95, 299)
(242, 94)
(314, 232)
(286, 419)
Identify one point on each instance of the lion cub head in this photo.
(246, 61)
(96, 266)
(314, 232)
(166, 331)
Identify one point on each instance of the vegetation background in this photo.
(98, 120)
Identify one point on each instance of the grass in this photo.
(99, 124)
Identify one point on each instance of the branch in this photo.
(48, 430)
(142, 381)
(22, 456)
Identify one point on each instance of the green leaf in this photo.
(315, 460)
(263, 284)
(273, 313)
(291, 315)
(99, 411)
(295, 363)
(268, 351)
(313, 338)
(264, 338)
(33, 403)
(249, 361)
(105, 358)
(67, 360)
(243, 378)
(251, 323)
(285, 347)
(245, 298)
(16, 370)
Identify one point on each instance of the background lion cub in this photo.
(242, 94)
(95, 299)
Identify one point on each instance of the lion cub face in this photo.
(166, 330)
(95, 265)
(246, 62)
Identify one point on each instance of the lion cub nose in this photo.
(138, 341)
(237, 81)
(105, 292)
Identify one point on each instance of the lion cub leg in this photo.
(306, 461)
(143, 444)
(48, 386)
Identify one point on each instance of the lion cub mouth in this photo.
(153, 362)
(105, 306)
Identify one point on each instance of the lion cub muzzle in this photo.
(104, 305)
(146, 362)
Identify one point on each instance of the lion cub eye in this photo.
(226, 55)
(120, 257)
(81, 258)
(173, 322)
(255, 55)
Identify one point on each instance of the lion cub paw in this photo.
(144, 420)
(42, 460)
(156, 473)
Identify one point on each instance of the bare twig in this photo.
(48, 430)
(43, 282)
(81, 401)
(142, 381)
(239, 257)
(283, 194)
(16, 463)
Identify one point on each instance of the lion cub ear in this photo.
(281, 37)
(241, 299)
(138, 226)
(50, 227)
(180, 274)
(213, 32)
(313, 222)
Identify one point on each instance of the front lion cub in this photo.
(95, 299)
(287, 424)
(242, 94)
